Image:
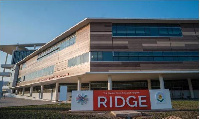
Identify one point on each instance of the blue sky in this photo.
(41, 21)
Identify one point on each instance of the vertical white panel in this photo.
(63, 93)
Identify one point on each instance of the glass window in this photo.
(167, 58)
(107, 56)
(100, 56)
(133, 58)
(140, 31)
(157, 53)
(86, 57)
(163, 31)
(193, 53)
(145, 58)
(116, 53)
(177, 31)
(79, 60)
(146, 30)
(133, 53)
(114, 30)
(158, 58)
(121, 30)
(130, 30)
(94, 56)
(123, 59)
(123, 53)
(167, 53)
(116, 58)
(154, 31)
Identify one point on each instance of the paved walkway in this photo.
(12, 101)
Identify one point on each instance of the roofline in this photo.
(86, 21)
(26, 44)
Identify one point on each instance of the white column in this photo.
(149, 84)
(56, 91)
(162, 85)
(89, 85)
(42, 87)
(16, 91)
(23, 90)
(109, 83)
(31, 90)
(190, 88)
(79, 84)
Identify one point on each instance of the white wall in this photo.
(36, 95)
(47, 96)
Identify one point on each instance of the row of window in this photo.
(157, 53)
(144, 56)
(59, 46)
(150, 30)
(78, 60)
(40, 73)
(19, 55)
(155, 84)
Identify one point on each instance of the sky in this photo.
(41, 21)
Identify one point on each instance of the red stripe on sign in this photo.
(121, 100)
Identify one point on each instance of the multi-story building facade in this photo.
(18, 52)
(116, 54)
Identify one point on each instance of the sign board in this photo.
(104, 100)
(160, 99)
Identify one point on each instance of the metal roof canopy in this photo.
(10, 48)
(86, 21)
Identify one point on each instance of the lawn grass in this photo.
(185, 104)
(188, 109)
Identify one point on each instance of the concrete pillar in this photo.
(190, 88)
(79, 84)
(56, 91)
(23, 90)
(109, 83)
(41, 93)
(16, 91)
(31, 90)
(89, 85)
(162, 85)
(149, 84)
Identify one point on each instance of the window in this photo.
(140, 30)
(59, 46)
(121, 30)
(145, 56)
(78, 60)
(94, 56)
(163, 31)
(130, 30)
(19, 55)
(43, 72)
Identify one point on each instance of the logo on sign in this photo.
(160, 97)
(82, 99)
